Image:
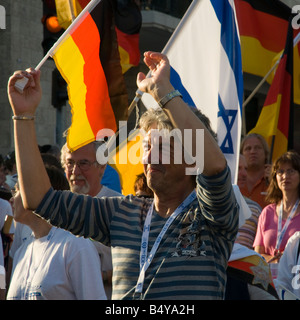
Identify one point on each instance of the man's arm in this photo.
(182, 117)
(33, 179)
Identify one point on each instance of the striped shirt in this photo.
(247, 232)
(191, 260)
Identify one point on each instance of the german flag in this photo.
(128, 20)
(89, 61)
(263, 27)
(275, 122)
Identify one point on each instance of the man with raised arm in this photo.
(173, 247)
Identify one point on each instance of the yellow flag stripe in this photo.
(72, 61)
(255, 58)
(124, 58)
(268, 119)
(280, 145)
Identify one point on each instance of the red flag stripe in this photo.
(130, 43)
(278, 84)
(83, 3)
(252, 22)
(98, 107)
(284, 113)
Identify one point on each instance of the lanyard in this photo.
(280, 231)
(144, 260)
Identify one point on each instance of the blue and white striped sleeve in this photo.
(218, 203)
(82, 215)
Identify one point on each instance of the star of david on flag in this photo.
(228, 117)
(206, 67)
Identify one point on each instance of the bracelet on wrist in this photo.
(173, 94)
(23, 117)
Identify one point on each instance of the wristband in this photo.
(168, 97)
(23, 117)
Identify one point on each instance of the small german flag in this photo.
(128, 21)
(275, 122)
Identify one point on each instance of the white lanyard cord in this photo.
(144, 260)
(281, 231)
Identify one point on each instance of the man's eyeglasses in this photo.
(83, 165)
(288, 172)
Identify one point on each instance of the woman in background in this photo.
(280, 220)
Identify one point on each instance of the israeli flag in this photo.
(206, 67)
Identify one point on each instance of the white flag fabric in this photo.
(206, 67)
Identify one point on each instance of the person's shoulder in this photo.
(5, 207)
(294, 238)
(269, 208)
(253, 204)
(4, 203)
(131, 202)
(67, 238)
(107, 192)
(268, 211)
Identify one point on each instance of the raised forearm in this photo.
(32, 176)
(180, 114)
(183, 118)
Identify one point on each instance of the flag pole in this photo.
(111, 140)
(271, 149)
(260, 84)
(164, 51)
(20, 84)
(72, 9)
(138, 95)
(253, 93)
(90, 6)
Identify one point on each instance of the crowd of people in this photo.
(75, 236)
(273, 198)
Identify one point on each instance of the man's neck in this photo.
(166, 203)
(40, 227)
(253, 176)
(289, 199)
(96, 191)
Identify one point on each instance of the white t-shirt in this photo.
(58, 266)
(22, 233)
(288, 278)
(5, 210)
